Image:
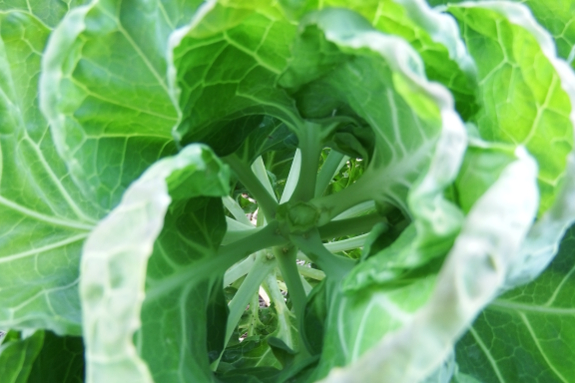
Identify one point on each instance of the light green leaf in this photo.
(433, 35)
(558, 17)
(415, 125)
(474, 269)
(104, 90)
(45, 218)
(482, 166)
(251, 353)
(115, 272)
(543, 240)
(523, 86)
(49, 12)
(527, 334)
(556, 125)
(226, 63)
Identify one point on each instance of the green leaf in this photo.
(416, 128)
(444, 373)
(45, 218)
(470, 277)
(251, 352)
(17, 353)
(115, 281)
(558, 17)
(115, 120)
(534, 324)
(482, 165)
(49, 12)
(433, 35)
(315, 314)
(393, 262)
(524, 88)
(60, 360)
(544, 237)
(357, 322)
(179, 336)
(253, 39)
(270, 135)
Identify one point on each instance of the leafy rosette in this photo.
(287, 191)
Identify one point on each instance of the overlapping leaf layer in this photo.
(287, 191)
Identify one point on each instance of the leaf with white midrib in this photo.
(44, 217)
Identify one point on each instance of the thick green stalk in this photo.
(292, 178)
(312, 273)
(286, 258)
(329, 169)
(220, 262)
(334, 266)
(350, 226)
(258, 191)
(250, 286)
(310, 143)
(332, 205)
(346, 244)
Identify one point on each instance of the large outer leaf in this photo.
(104, 91)
(172, 338)
(469, 279)
(521, 86)
(558, 17)
(432, 34)
(44, 217)
(528, 334)
(226, 65)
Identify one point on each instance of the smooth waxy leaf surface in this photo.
(48, 12)
(558, 17)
